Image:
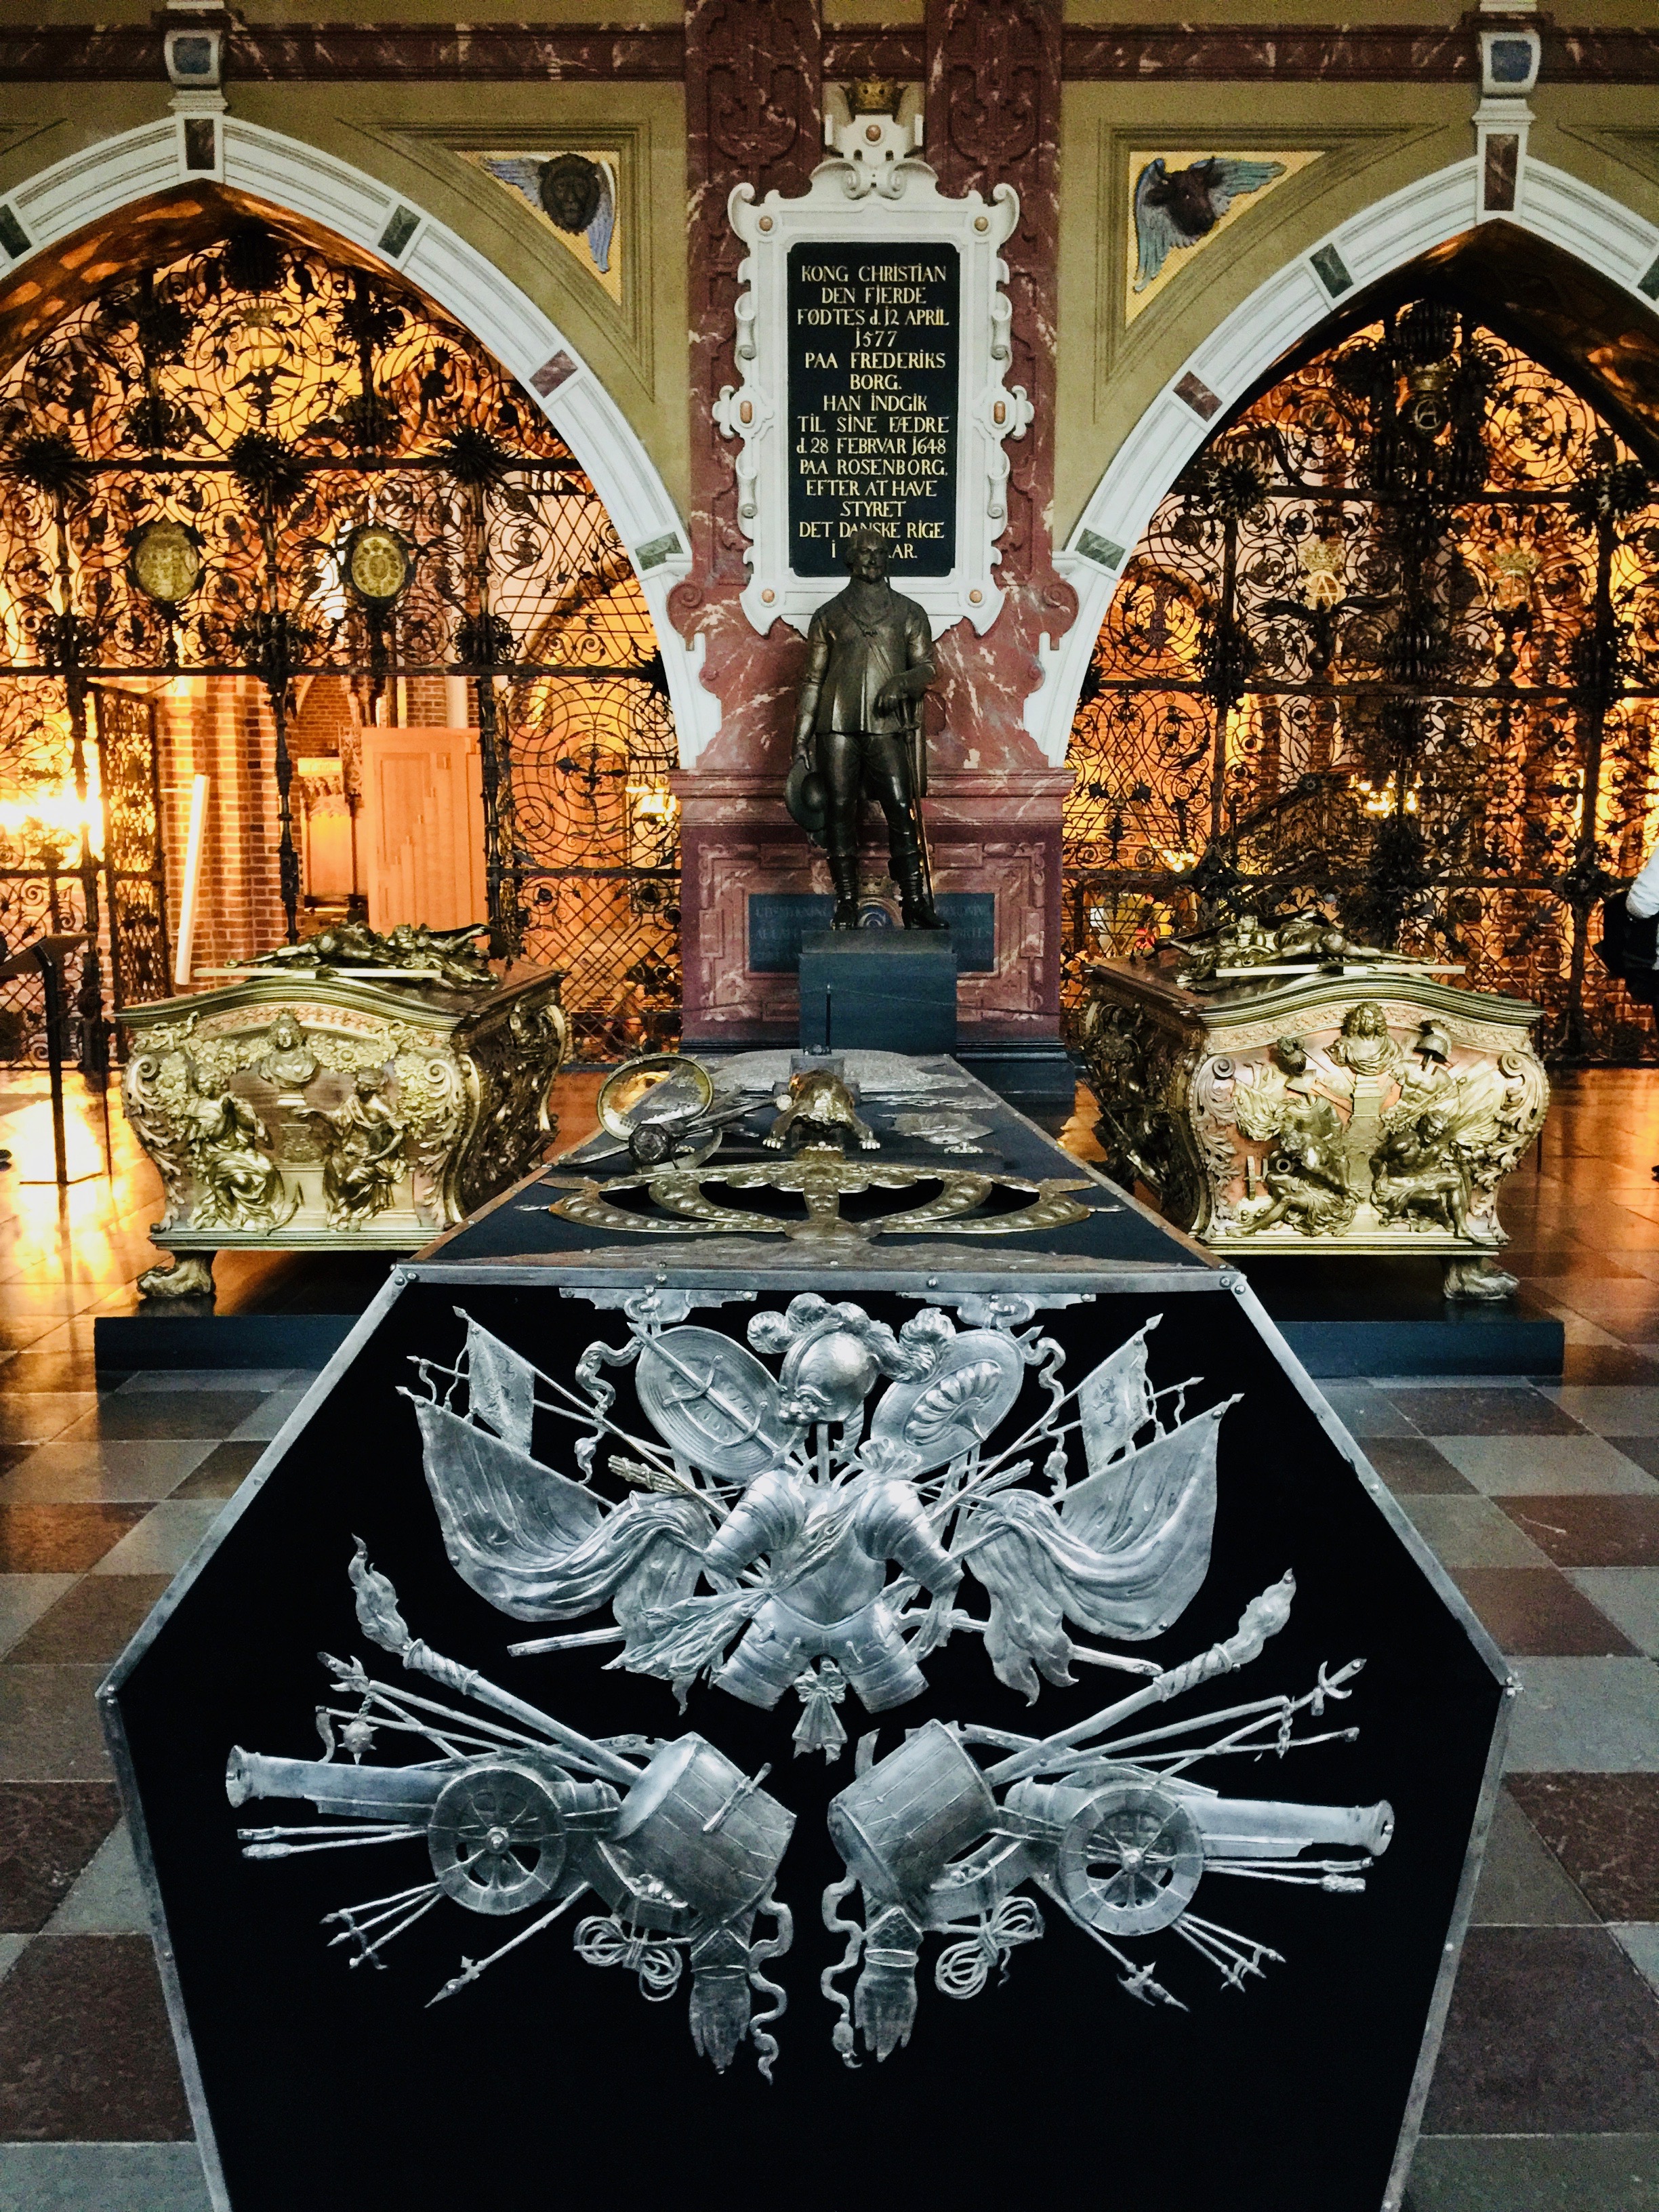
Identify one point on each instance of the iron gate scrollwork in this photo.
(42, 886)
(135, 868)
(259, 461)
(1391, 644)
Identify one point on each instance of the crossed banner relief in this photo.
(787, 1533)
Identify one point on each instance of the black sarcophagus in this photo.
(812, 1709)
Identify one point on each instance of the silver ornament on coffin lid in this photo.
(1130, 1860)
(497, 1837)
(832, 1371)
(675, 1841)
(824, 1527)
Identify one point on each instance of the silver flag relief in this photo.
(782, 1522)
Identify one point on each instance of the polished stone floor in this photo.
(1542, 1498)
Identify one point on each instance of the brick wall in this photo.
(221, 727)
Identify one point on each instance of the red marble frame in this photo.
(1370, 53)
(994, 809)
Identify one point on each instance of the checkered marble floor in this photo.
(104, 1495)
(1542, 1498)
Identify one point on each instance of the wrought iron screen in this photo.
(42, 890)
(135, 866)
(1392, 645)
(260, 461)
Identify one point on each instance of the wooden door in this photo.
(423, 827)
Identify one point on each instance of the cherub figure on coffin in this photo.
(788, 1524)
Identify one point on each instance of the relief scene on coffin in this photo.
(250, 1127)
(317, 1116)
(801, 1513)
(1373, 1123)
(1365, 1121)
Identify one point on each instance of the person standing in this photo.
(1630, 936)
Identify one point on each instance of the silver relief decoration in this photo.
(948, 1130)
(779, 1521)
(809, 1512)
(1103, 1818)
(676, 1846)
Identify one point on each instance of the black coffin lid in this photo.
(548, 2080)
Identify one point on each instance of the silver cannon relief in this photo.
(819, 1528)
(1117, 1835)
(679, 1845)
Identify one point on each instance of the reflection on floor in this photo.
(1543, 1501)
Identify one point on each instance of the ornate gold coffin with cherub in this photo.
(1282, 1091)
(351, 1092)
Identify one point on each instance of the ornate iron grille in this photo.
(259, 461)
(591, 782)
(42, 887)
(135, 874)
(1391, 645)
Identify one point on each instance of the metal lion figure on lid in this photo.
(858, 734)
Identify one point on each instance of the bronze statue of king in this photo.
(857, 732)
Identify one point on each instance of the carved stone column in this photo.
(993, 117)
(754, 114)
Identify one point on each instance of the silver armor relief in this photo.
(817, 1524)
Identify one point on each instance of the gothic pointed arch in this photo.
(254, 455)
(1566, 243)
(1390, 644)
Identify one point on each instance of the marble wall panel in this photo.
(988, 833)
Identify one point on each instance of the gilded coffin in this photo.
(1372, 1108)
(317, 1109)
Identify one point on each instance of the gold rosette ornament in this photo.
(376, 563)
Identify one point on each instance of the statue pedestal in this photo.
(753, 887)
(878, 990)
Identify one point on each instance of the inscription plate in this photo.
(872, 336)
(873, 363)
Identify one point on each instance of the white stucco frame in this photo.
(289, 174)
(1551, 202)
(885, 205)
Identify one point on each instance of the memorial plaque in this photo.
(874, 339)
(872, 336)
(778, 920)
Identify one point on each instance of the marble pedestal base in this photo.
(996, 841)
(878, 990)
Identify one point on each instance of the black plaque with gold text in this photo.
(874, 384)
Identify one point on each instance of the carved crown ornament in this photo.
(872, 336)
